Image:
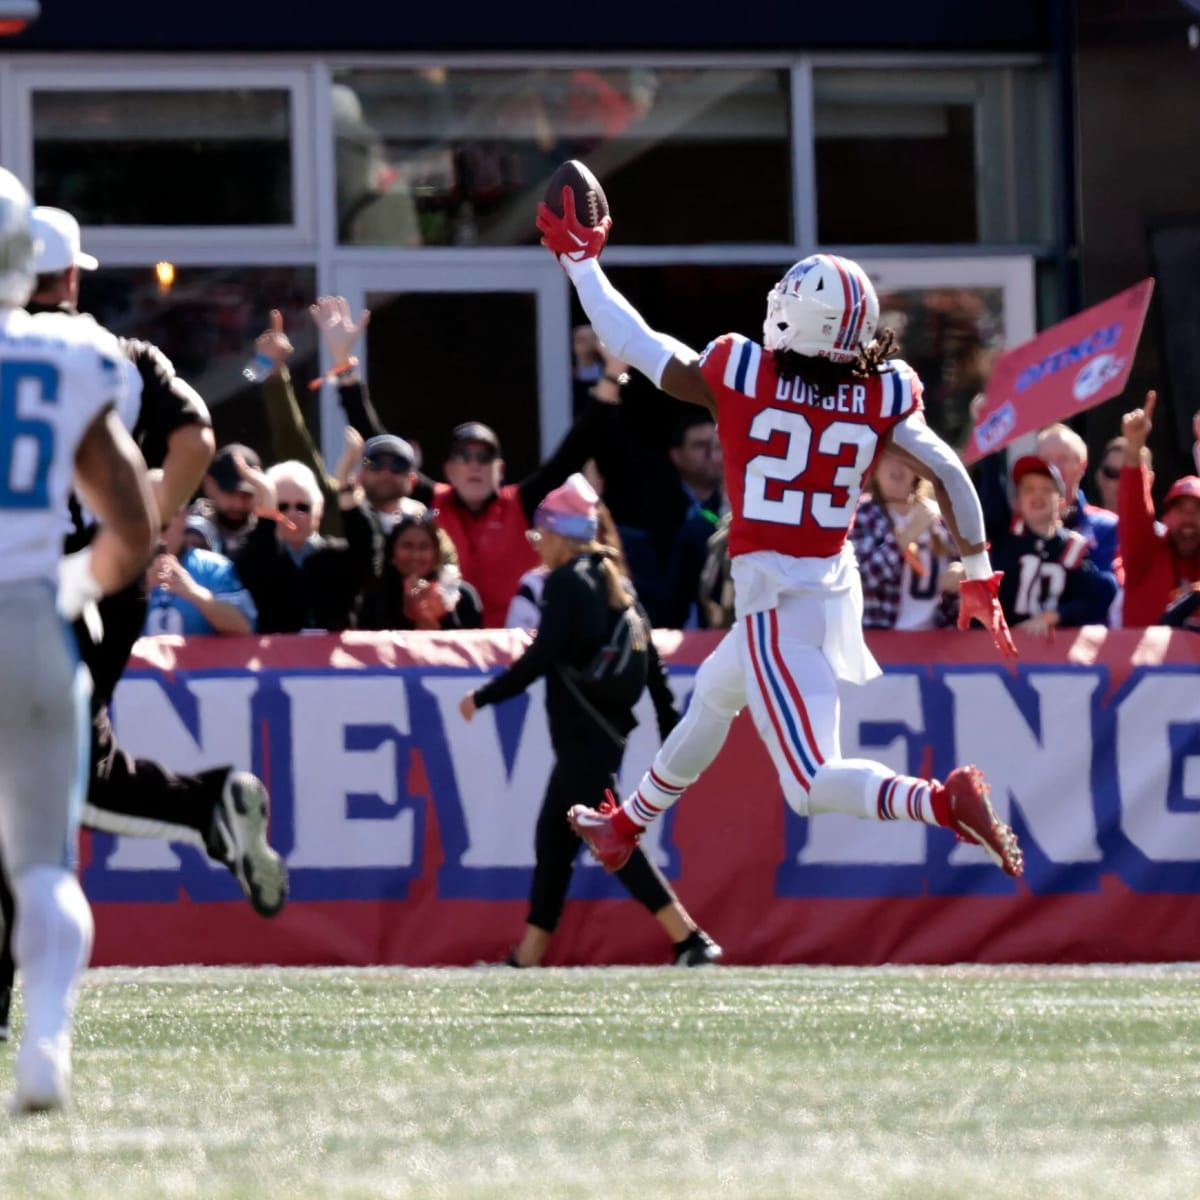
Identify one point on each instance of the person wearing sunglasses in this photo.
(487, 519)
(387, 476)
(1107, 475)
(299, 579)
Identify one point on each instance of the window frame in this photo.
(83, 73)
(311, 239)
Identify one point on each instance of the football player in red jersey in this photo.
(802, 418)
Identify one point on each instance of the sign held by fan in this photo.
(1064, 370)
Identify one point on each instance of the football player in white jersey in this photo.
(61, 385)
(802, 417)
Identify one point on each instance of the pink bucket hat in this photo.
(570, 510)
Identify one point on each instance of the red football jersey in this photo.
(794, 462)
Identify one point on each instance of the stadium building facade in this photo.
(395, 154)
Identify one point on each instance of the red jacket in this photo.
(1152, 568)
(493, 552)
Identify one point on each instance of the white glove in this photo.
(78, 591)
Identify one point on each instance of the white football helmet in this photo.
(18, 245)
(824, 307)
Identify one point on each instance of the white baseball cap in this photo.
(58, 232)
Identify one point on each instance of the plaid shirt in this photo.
(881, 565)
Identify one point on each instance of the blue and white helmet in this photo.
(18, 243)
(824, 307)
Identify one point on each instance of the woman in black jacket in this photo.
(591, 647)
(419, 586)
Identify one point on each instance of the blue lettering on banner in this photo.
(996, 427)
(1101, 339)
(1096, 782)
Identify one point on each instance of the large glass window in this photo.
(462, 157)
(951, 336)
(937, 157)
(165, 157)
(206, 321)
(426, 394)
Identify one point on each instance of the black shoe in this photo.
(238, 838)
(697, 950)
(5, 1005)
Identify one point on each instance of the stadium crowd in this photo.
(377, 543)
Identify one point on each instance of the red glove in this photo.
(567, 235)
(979, 599)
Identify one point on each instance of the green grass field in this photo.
(922, 1084)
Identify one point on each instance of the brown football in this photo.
(591, 204)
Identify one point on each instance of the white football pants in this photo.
(773, 661)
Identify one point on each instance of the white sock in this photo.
(869, 790)
(683, 758)
(52, 942)
(653, 797)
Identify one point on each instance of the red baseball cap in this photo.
(1031, 464)
(1186, 488)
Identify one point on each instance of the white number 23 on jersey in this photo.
(788, 509)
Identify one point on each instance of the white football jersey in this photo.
(57, 373)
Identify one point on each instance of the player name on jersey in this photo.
(796, 458)
(851, 397)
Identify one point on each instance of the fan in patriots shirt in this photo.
(1049, 576)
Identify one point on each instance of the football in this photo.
(591, 204)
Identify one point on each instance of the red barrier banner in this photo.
(1066, 369)
(409, 833)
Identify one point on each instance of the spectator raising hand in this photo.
(1136, 427)
(346, 475)
(1158, 561)
(274, 343)
(340, 333)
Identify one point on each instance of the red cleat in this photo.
(971, 816)
(612, 847)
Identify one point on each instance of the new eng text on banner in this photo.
(409, 834)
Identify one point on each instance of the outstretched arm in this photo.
(933, 459)
(666, 362)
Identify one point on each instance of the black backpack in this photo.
(629, 636)
(625, 650)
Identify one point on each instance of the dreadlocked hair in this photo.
(824, 375)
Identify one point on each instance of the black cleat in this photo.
(238, 838)
(697, 950)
